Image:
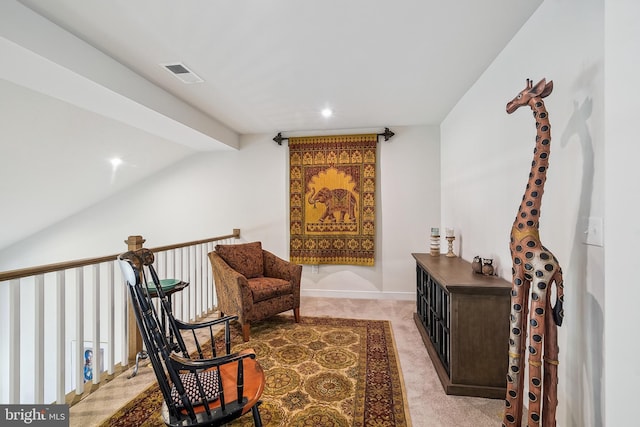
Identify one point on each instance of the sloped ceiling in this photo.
(87, 83)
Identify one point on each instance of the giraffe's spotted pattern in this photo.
(535, 270)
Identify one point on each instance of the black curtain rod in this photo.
(387, 134)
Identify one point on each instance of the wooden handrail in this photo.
(236, 234)
(42, 269)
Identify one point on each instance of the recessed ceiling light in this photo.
(327, 112)
(115, 162)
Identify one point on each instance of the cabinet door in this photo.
(481, 340)
(441, 327)
(434, 317)
(422, 307)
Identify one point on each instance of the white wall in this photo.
(408, 204)
(622, 151)
(209, 194)
(486, 156)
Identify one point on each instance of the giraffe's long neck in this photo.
(527, 219)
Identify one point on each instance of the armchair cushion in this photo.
(245, 258)
(264, 288)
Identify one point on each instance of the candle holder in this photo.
(450, 240)
(435, 245)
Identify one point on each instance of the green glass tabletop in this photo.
(165, 284)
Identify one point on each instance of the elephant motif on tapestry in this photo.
(337, 201)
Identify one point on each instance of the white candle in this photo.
(449, 232)
(435, 231)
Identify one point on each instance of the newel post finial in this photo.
(135, 242)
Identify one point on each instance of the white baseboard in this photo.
(403, 296)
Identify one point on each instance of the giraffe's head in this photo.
(540, 90)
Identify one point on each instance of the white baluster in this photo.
(79, 331)
(178, 299)
(203, 277)
(97, 355)
(214, 296)
(124, 315)
(38, 346)
(111, 339)
(187, 277)
(60, 337)
(193, 268)
(14, 341)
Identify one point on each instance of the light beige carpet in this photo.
(428, 404)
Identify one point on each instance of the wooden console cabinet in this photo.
(464, 322)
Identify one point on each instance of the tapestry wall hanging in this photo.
(332, 199)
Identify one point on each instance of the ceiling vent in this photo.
(181, 72)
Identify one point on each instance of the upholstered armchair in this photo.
(254, 284)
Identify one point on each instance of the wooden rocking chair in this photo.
(197, 391)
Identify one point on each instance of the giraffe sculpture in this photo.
(535, 271)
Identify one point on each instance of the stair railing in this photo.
(64, 320)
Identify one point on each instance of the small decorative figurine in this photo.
(476, 265)
(450, 236)
(487, 266)
(434, 247)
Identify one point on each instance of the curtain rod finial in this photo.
(387, 134)
(278, 138)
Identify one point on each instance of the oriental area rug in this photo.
(320, 372)
(332, 199)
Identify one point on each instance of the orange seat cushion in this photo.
(254, 381)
